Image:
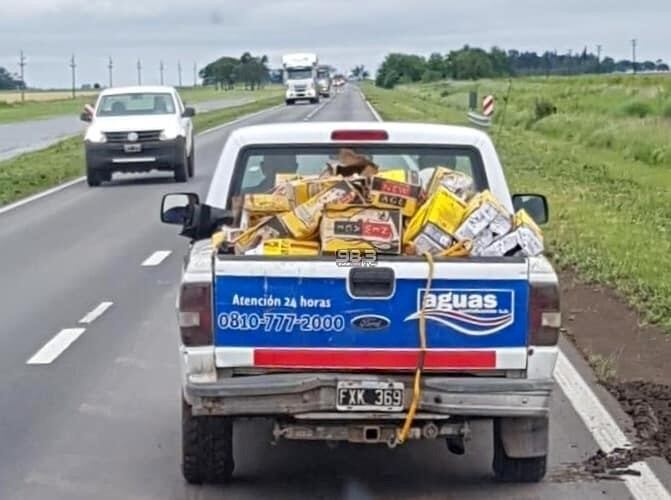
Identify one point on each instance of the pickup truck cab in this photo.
(327, 349)
(139, 129)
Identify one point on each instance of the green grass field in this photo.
(603, 160)
(33, 172)
(55, 103)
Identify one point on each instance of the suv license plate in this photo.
(369, 395)
(132, 148)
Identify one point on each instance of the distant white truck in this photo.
(300, 77)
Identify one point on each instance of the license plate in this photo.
(369, 395)
(132, 148)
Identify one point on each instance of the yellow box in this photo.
(225, 234)
(388, 193)
(269, 228)
(303, 221)
(266, 204)
(361, 227)
(302, 190)
(484, 212)
(522, 218)
(401, 175)
(456, 182)
(285, 247)
(437, 219)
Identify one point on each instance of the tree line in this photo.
(9, 81)
(226, 72)
(471, 63)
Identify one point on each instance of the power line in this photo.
(161, 67)
(179, 73)
(73, 66)
(139, 72)
(22, 64)
(633, 54)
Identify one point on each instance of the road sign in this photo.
(488, 105)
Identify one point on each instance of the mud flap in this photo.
(524, 437)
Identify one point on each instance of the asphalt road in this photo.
(22, 137)
(103, 419)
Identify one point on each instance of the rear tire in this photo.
(207, 448)
(92, 177)
(289, 102)
(191, 161)
(518, 470)
(315, 100)
(181, 170)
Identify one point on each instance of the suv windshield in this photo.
(136, 104)
(257, 167)
(299, 74)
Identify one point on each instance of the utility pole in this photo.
(73, 66)
(161, 67)
(598, 53)
(633, 54)
(22, 64)
(195, 74)
(110, 65)
(179, 73)
(139, 72)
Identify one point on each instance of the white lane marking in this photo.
(94, 314)
(599, 422)
(65, 185)
(156, 258)
(55, 346)
(605, 430)
(37, 196)
(372, 109)
(315, 111)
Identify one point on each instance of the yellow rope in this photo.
(417, 389)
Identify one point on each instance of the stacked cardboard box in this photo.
(353, 206)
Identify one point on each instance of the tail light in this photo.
(544, 314)
(195, 314)
(359, 135)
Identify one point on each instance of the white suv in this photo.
(139, 129)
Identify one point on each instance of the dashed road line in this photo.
(156, 258)
(94, 314)
(315, 111)
(55, 347)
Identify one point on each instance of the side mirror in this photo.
(536, 205)
(86, 117)
(178, 208)
(189, 112)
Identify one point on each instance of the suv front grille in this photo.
(143, 136)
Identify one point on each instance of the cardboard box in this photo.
(484, 212)
(300, 191)
(268, 228)
(434, 224)
(504, 246)
(285, 247)
(456, 182)
(225, 234)
(387, 193)
(303, 221)
(361, 227)
(401, 175)
(481, 241)
(266, 204)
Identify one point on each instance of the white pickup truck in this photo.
(327, 351)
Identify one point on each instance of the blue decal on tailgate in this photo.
(319, 312)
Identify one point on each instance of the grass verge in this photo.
(33, 172)
(38, 105)
(610, 211)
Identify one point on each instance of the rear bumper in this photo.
(159, 155)
(313, 395)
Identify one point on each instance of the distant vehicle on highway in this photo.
(327, 349)
(324, 80)
(300, 77)
(139, 129)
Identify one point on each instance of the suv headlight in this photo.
(169, 134)
(95, 136)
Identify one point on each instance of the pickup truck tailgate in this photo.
(313, 314)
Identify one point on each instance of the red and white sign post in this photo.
(488, 104)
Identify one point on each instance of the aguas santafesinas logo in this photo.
(468, 311)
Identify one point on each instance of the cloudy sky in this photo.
(343, 32)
